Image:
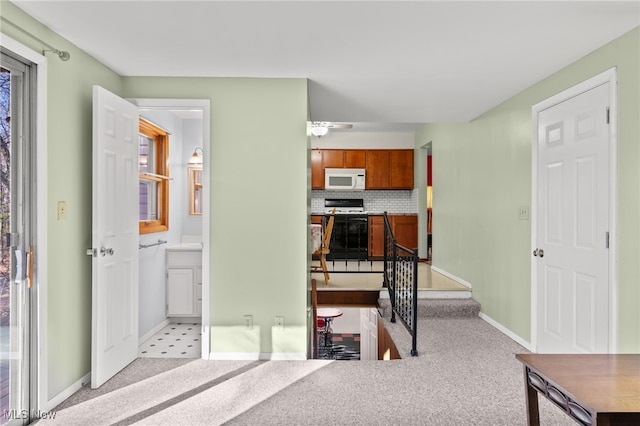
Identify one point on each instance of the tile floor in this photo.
(339, 346)
(176, 340)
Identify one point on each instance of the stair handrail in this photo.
(401, 280)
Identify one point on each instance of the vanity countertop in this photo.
(185, 247)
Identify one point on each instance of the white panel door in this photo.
(114, 337)
(572, 258)
(368, 334)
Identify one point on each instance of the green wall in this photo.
(68, 278)
(259, 203)
(482, 175)
(258, 189)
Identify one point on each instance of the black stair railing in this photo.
(401, 279)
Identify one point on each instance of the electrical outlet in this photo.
(248, 322)
(280, 323)
(523, 212)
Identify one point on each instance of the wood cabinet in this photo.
(317, 220)
(377, 165)
(317, 171)
(386, 346)
(355, 159)
(401, 169)
(390, 169)
(376, 236)
(404, 228)
(184, 283)
(386, 169)
(333, 159)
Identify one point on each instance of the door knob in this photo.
(538, 252)
(106, 251)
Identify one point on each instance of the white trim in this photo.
(153, 331)
(205, 106)
(609, 76)
(41, 205)
(451, 276)
(62, 396)
(519, 340)
(258, 356)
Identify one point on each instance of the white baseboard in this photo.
(451, 276)
(153, 331)
(59, 398)
(519, 340)
(256, 356)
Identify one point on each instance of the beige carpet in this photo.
(359, 277)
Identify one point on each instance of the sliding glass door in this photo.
(16, 250)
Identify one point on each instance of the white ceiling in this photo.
(379, 64)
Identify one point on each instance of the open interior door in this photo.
(114, 327)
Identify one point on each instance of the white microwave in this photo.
(344, 179)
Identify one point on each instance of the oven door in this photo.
(349, 239)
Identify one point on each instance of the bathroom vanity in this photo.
(184, 280)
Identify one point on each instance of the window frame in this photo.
(195, 190)
(160, 176)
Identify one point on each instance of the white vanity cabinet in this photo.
(184, 282)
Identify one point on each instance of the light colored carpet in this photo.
(466, 374)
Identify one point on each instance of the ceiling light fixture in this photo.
(319, 129)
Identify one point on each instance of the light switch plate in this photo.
(62, 210)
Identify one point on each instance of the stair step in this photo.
(446, 308)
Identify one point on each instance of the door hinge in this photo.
(607, 239)
(608, 115)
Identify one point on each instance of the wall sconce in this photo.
(429, 197)
(196, 158)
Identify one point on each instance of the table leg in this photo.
(533, 415)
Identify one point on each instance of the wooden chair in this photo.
(324, 249)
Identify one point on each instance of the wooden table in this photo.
(591, 389)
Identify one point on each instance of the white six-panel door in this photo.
(571, 242)
(114, 338)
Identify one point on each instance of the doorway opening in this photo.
(174, 295)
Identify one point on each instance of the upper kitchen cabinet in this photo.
(389, 169)
(317, 170)
(377, 165)
(343, 158)
(333, 159)
(354, 159)
(386, 168)
(401, 169)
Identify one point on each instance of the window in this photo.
(153, 160)
(195, 190)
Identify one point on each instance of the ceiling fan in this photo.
(321, 128)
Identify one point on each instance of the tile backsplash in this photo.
(395, 202)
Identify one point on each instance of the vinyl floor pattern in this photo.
(339, 346)
(176, 340)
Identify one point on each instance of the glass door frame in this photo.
(20, 240)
